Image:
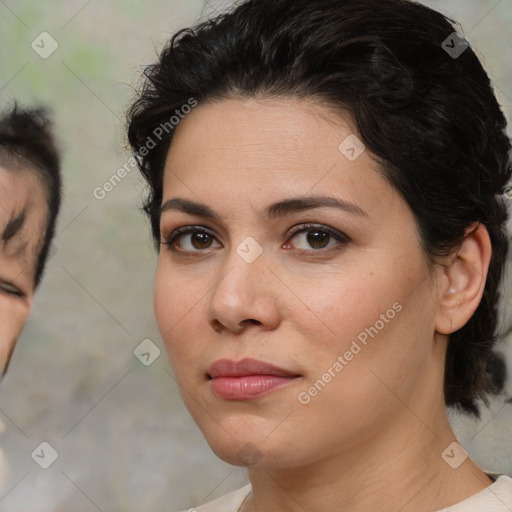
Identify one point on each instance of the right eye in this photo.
(198, 235)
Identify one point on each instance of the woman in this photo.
(326, 185)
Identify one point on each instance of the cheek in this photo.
(340, 307)
(369, 318)
(177, 304)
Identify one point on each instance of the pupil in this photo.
(317, 237)
(202, 239)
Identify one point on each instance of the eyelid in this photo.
(338, 235)
(10, 289)
(184, 230)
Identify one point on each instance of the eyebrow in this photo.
(272, 211)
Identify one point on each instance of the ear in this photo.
(463, 280)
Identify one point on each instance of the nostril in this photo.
(217, 326)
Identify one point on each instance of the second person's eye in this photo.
(9, 289)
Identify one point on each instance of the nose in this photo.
(245, 295)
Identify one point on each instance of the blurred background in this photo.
(122, 439)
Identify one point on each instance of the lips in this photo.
(229, 368)
(248, 378)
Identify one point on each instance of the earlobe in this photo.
(464, 280)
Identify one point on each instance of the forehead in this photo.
(261, 140)
(260, 150)
(22, 215)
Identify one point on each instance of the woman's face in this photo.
(22, 224)
(339, 298)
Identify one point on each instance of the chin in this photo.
(235, 442)
(247, 454)
(241, 436)
(248, 447)
(243, 453)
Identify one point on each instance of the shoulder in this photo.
(495, 498)
(228, 503)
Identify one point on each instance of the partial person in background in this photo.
(30, 199)
(331, 226)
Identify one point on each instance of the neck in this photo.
(401, 469)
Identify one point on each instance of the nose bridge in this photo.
(242, 292)
(244, 263)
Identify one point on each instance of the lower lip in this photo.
(249, 386)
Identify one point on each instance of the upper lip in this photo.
(230, 368)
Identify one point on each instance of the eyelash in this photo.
(10, 289)
(177, 233)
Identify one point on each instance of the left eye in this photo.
(318, 236)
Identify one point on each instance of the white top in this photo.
(495, 498)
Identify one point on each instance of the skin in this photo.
(372, 439)
(20, 192)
